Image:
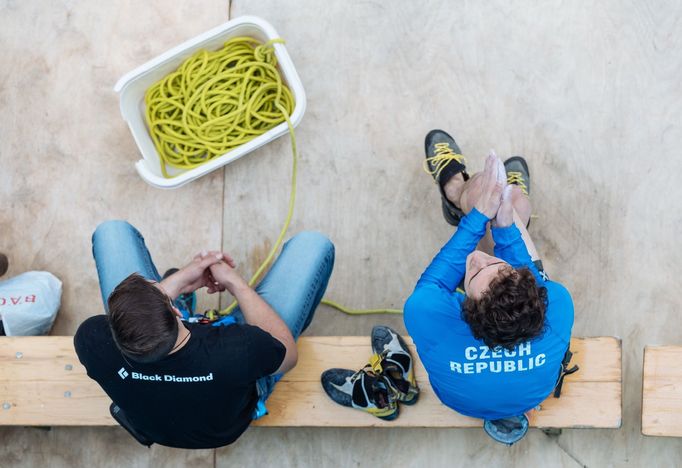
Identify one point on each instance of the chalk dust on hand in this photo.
(501, 171)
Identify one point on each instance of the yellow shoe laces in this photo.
(516, 178)
(444, 156)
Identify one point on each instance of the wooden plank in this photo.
(582, 404)
(73, 402)
(590, 397)
(35, 357)
(43, 384)
(662, 391)
(318, 353)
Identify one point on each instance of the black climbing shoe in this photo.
(392, 358)
(443, 161)
(518, 173)
(362, 390)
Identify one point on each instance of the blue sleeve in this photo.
(447, 268)
(509, 246)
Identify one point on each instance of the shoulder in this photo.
(93, 340)
(557, 293)
(92, 330)
(240, 337)
(560, 311)
(417, 305)
(430, 307)
(255, 351)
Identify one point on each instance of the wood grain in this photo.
(43, 384)
(662, 391)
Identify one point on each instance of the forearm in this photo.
(525, 235)
(448, 266)
(512, 247)
(258, 313)
(171, 286)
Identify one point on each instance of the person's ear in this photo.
(177, 312)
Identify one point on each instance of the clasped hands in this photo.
(495, 200)
(212, 270)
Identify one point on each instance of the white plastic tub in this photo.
(132, 87)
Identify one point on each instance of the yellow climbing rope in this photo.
(348, 311)
(217, 101)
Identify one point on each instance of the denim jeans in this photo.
(293, 287)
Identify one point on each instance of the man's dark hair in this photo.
(509, 312)
(142, 320)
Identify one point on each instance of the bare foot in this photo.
(453, 189)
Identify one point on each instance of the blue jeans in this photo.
(293, 287)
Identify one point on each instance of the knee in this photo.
(520, 200)
(313, 241)
(112, 228)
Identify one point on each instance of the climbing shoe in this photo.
(186, 303)
(517, 173)
(393, 359)
(443, 161)
(363, 390)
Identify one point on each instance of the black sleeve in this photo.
(265, 352)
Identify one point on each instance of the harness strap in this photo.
(564, 371)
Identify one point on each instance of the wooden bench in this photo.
(662, 391)
(43, 384)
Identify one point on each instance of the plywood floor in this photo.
(589, 93)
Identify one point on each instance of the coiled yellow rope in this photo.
(217, 101)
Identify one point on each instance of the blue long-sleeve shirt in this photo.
(466, 375)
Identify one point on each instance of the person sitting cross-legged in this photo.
(491, 330)
(195, 385)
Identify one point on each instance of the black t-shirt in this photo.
(201, 396)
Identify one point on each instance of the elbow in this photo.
(290, 358)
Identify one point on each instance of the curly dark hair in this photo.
(510, 311)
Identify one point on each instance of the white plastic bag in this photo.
(29, 303)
